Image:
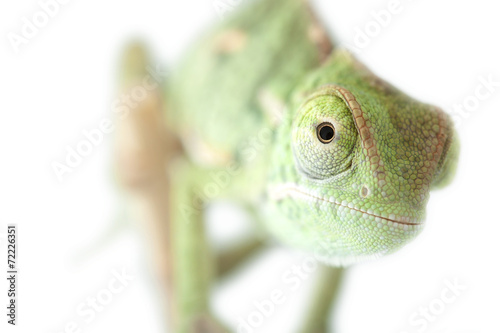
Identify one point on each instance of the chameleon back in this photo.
(221, 93)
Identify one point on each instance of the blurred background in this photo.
(75, 235)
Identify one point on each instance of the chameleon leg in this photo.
(229, 259)
(325, 293)
(144, 147)
(194, 262)
(181, 257)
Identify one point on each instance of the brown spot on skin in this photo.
(205, 324)
(272, 106)
(319, 36)
(364, 191)
(230, 41)
(201, 151)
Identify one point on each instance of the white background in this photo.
(63, 81)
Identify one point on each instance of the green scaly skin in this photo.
(364, 194)
(247, 103)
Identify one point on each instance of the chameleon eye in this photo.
(323, 136)
(326, 132)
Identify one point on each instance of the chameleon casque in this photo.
(329, 157)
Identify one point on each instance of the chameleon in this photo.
(328, 158)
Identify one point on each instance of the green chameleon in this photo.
(328, 157)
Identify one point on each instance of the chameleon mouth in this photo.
(281, 192)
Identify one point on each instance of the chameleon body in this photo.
(331, 158)
(363, 194)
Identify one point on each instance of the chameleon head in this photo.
(352, 169)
